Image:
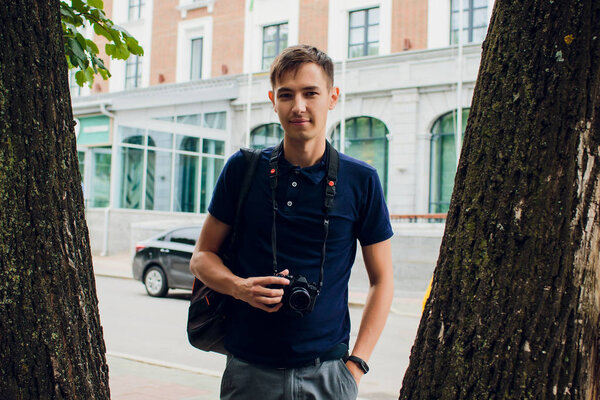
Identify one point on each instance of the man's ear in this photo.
(272, 97)
(334, 95)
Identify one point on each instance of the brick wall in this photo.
(409, 25)
(228, 37)
(313, 23)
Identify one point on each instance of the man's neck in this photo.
(303, 154)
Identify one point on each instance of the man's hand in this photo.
(355, 370)
(255, 291)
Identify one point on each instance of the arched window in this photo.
(443, 160)
(367, 140)
(266, 135)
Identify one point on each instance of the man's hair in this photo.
(291, 58)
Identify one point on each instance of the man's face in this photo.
(302, 99)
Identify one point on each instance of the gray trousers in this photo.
(327, 380)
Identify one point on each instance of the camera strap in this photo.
(332, 164)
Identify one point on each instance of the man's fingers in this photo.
(271, 280)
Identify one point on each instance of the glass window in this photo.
(158, 180)
(186, 183)
(266, 136)
(188, 143)
(275, 39)
(81, 158)
(133, 72)
(366, 139)
(196, 67)
(475, 21)
(160, 139)
(216, 147)
(100, 184)
(215, 120)
(136, 9)
(132, 164)
(190, 119)
(131, 135)
(363, 33)
(211, 168)
(443, 160)
(176, 170)
(185, 236)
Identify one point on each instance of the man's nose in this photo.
(299, 104)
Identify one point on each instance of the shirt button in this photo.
(294, 184)
(289, 203)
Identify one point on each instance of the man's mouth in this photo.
(299, 121)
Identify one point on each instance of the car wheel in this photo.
(155, 281)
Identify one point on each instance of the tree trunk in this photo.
(51, 344)
(514, 310)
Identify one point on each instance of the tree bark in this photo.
(515, 306)
(51, 344)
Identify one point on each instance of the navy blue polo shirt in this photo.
(359, 212)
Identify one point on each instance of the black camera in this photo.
(299, 296)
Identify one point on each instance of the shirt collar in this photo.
(315, 173)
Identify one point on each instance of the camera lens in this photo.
(299, 299)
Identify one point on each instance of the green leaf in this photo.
(76, 48)
(80, 77)
(102, 31)
(133, 46)
(79, 5)
(96, 3)
(92, 46)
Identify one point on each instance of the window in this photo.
(366, 139)
(185, 236)
(363, 33)
(475, 21)
(133, 72)
(196, 66)
(266, 136)
(168, 172)
(275, 38)
(136, 9)
(443, 160)
(99, 186)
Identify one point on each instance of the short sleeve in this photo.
(224, 198)
(374, 221)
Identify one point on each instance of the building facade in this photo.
(153, 139)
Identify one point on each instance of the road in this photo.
(142, 327)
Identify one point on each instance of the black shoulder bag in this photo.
(207, 313)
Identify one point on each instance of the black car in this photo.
(163, 261)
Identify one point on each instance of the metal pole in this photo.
(458, 131)
(343, 122)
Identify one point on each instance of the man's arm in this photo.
(378, 261)
(207, 266)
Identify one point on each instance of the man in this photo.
(276, 353)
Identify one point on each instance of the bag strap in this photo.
(251, 157)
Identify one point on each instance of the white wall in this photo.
(337, 37)
(267, 12)
(186, 31)
(141, 29)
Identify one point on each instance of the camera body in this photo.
(300, 296)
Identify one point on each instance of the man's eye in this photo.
(311, 93)
(284, 95)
